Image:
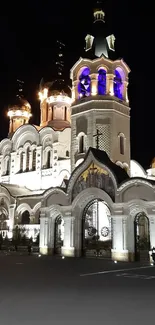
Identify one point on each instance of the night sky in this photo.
(28, 33)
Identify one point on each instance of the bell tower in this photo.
(100, 98)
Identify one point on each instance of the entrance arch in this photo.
(96, 229)
(142, 236)
(58, 234)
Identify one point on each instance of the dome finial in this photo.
(98, 12)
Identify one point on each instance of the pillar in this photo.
(152, 232)
(43, 244)
(94, 84)
(110, 84)
(11, 219)
(68, 244)
(119, 238)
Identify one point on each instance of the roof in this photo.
(19, 102)
(17, 191)
(119, 173)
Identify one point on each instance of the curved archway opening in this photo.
(118, 84)
(25, 218)
(142, 236)
(101, 81)
(84, 86)
(96, 229)
(58, 235)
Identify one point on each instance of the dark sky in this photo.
(28, 33)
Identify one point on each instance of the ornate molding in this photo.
(134, 182)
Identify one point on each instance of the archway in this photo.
(96, 229)
(142, 236)
(84, 86)
(25, 218)
(58, 234)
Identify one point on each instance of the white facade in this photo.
(52, 173)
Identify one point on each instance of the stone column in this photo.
(125, 91)
(43, 244)
(68, 244)
(11, 219)
(130, 237)
(24, 161)
(152, 233)
(152, 230)
(75, 94)
(110, 85)
(94, 84)
(51, 232)
(119, 232)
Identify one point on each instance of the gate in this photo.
(58, 235)
(142, 237)
(96, 230)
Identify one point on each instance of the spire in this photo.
(20, 84)
(98, 12)
(60, 61)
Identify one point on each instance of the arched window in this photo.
(65, 118)
(67, 153)
(27, 159)
(21, 161)
(25, 219)
(81, 143)
(34, 159)
(7, 162)
(48, 159)
(122, 144)
(118, 85)
(101, 81)
(84, 86)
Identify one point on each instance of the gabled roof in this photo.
(119, 173)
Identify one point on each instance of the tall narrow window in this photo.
(84, 86)
(34, 159)
(65, 113)
(122, 145)
(21, 162)
(7, 166)
(27, 159)
(48, 161)
(118, 85)
(102, 82)
(81, 144)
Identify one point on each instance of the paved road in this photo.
(53, 291)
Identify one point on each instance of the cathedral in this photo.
(70, 179)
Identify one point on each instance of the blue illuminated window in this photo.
(101, 82)
(84, 86)
(118, 85)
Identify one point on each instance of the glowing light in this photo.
(59, 98)
(14, 113)
(43, 94)
(115, 262)
(94, 90)
(63, 257)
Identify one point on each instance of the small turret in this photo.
(19, 111)
(55, 97)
